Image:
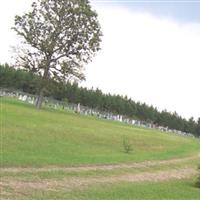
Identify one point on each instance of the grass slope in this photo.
(169, 190)
(50, 137)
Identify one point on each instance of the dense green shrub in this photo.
(198, 178)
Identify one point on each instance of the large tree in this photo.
(59, 37)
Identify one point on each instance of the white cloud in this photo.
(8, 10)
(149, 59)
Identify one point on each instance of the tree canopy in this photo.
(60, 36)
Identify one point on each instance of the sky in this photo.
(150, 51)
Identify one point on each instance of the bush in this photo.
(198, 178)
(127, 146)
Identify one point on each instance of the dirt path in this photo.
(18, 186)
(102, 167)
(70, 183)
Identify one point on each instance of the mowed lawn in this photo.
(31, 137)
(46, 141)
(169, 190)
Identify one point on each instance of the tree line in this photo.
(71, 92)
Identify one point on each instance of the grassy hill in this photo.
(55, 154)
(48, 137)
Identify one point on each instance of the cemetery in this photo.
(99, 100)
(83, 110)
(60, 148)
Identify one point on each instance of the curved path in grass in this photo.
(103, 167)
(10, 185)
(19, 185)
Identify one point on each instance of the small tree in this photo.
(127, 146)
(60, 36)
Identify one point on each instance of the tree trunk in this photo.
(43, 85)
(40, 99)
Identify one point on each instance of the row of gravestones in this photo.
(86, 111)
(110, 116)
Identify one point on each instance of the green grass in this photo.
(32, 138)
(59, 174)
(169, 190)
(179, 190)
(48, 137)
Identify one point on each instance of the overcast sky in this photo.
(150, 51)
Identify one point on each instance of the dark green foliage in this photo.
(18, 79)
(60, 36)
(27, 82)
(197, 131)
(198, 178)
